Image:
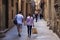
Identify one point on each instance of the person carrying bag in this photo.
(18, 21)
(30, 24)
(15, 21)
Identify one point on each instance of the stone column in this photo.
(54, 19)
(29, 8)
(1, 31)
(52, 14)
(24, 10)
(46, 10)
(10, 8)
(19, 5)
(0, 12)
(58, 18)
(49, 14)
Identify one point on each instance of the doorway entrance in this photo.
(5, 13)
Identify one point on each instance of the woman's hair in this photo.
(30, 14)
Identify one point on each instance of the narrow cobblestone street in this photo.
(43, 33)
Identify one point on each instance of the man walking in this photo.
(19, 18)
(36, 16)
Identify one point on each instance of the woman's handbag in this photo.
(34, 30)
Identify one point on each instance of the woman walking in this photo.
(30, 23)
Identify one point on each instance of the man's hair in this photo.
(20, 12)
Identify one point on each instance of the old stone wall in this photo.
(53, 15)
(7, 13)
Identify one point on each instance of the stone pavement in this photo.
(43, 33)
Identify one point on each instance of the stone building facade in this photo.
(52, 15)
(27, 7)
(8, 9)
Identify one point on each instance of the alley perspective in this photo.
(43, 33)
(18, 18)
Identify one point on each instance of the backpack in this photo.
(15, 21)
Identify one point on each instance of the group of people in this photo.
(20, 20)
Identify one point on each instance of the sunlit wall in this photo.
(37, 3)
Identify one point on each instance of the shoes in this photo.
(19, 35)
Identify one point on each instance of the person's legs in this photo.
(19, 29)
(42, 12)
(36, 17)
(40, 16)
(28, 30)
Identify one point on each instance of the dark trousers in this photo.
(41, 16)
(29, 27)
(42, 12)
(36, 16)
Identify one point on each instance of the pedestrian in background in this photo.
(36, 16)
(42, 8)
(33, 16)
(30, 23)
(19, 19)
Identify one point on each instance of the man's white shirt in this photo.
(19, 18)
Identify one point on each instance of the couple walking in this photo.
(20, 19)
